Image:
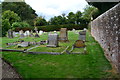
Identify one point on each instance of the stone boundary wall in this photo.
(106, 30)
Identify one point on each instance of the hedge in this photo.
(57, 27)
(54, 27)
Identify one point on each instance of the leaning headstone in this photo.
(63, 35)
(52, 40)
(10, 33)
(23, 44)
(82, 35)
(79, 44)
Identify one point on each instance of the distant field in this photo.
(90, 65)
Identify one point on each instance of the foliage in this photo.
(39, 21)
(5, 26)
(11, 16)
(90, 12)
(58, 27)
(23, 10)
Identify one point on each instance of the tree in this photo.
(23, 10)
(71, 18)
(5, 26)
(11, 16)
(90, 12)
(78, 17)
(40, 21)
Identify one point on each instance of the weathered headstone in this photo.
(82, 35)
(31, 34)
(40, 32)
(10, 33)
(79, 44)
(63, 35)
(27, 33)
(21, 34)
(52, 40)
(14, 34)
(23, 44)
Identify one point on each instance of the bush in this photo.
(5, 26)
(17, 26)
(58, 27)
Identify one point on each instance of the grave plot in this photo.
(56, 42)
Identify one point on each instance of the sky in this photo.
(51, 8)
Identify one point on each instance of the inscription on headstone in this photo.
(52, 40)
(63, 35)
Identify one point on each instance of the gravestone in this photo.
(27, 33)
(79, 44)
(10, 33)
(23, 44)
(63, 35)
(31, 34)
(21, 34)
(40, 32)
(36, 32)
(14, 34)
(52, 40)
(82, 35)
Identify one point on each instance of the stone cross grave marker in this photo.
(52, 40)
(10, 33)
(63, 35)
(82, 35)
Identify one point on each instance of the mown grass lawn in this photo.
(90, 65)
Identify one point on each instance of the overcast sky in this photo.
(50, 8)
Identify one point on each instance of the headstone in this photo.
(40, 32)
(10, 33)
(52, 40)
(31, 34)
(27, 33)
(63, 35)
(79, 44)
(82, 35)
(23, 44)
(21, 34)
(14, 34)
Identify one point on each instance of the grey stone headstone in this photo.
(52, 40)
(82, 35)
(10, 33)
(23, 44)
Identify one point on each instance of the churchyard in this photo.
(89, 62)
